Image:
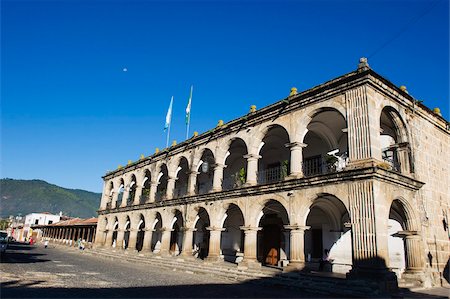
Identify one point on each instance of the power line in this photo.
(404, 28)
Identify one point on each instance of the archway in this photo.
(109, 195)
(235, 172)
(157, 233)
(327, 145)
(201, 234)
(115, 229)
(120, 192)
(146, 185)
(140, 234)
(206, 172)
(232, 238)
(176, 235)
(273, 240)
(274, 164)
(132, 192)
(161, 190)
(182, 175)
(327, 220)
(395, 150)
(126, 235)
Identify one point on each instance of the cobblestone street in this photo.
(32, 271)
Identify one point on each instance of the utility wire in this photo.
(404, 28)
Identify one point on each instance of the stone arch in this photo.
(126, 233)
(272, 239)
(176, 235)
(394, 140)
(182, 177)
(132, 189)
(235, 172)
(140, 232)
(232, 238)
(146, 186)
(205, 171)
(326, 142)
(157, 227)
(120, 190)
(115, 230)
(328, 220)
(200, 241)
(162, 179)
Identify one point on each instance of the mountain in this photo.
(27, 196)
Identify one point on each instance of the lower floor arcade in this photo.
(71, 231)
(363, 227)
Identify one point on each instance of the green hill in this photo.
(27, 196)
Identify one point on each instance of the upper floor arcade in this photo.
(355, 121)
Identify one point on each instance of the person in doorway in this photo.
(325, 259)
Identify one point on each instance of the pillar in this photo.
(120, 237)
(217, 178)
(252, 169)
(214, 243)
(132, 240)
(126, 193)
(192, 182)
(296, 159)
(152, 194)
(250, 246)
(115, 197)
(137, 195)
(165, 241)
(403, 158)
(188, 237)
(297, 245)
(170, 187)
(413, 254)
(147, 243)
(109, 238)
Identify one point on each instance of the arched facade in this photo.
(354, 166)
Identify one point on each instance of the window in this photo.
(36, 221)
(50, 221)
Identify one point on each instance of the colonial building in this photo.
(69, 231)
(355, 165)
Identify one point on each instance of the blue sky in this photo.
(69, 112)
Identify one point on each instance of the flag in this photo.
(188, 108)
(169, 115)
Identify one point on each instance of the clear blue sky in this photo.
(69, 112)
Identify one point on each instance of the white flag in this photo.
(169, 115)
(188, 108)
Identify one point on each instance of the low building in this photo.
(28, 227)
(69, 231)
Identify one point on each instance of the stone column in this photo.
(214, 243)
(152, 194)
(250, 246)
(109, 238)
(413, 254)
(132, 240)
(170, 187)
(252, 169)
(165, 241)
(115, 197)
(297, 245)
(403, 158)
(137, 195)
(126, 193)
(217, 178)
(296, 159)
(192, 182)
(187, 242)
(120, 238)
(147, 243)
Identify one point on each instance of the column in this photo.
(153, 188)
(170, 187)
(120, 237)
(252, 169)
(137, 195)
(297, 243)
(217, 178)
(214, 243)
(126, 193)
(296, 159)
(147, 244)
(115, 196)
(132, 240)
(165, 241)
(403, 158)
(109, 238)
(250, 246)
(188, 237)
(192, 182)
(413, 254)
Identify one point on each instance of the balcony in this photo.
(271, 175)
(324, 164)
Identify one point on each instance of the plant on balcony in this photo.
(242, 176)
(384, 165)
(284, 168)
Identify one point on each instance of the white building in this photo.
(35, 219)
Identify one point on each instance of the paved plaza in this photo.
(59, 272)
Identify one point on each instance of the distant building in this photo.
(355, 165)
(69, 231)
(27, 229)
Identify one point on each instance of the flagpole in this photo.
(168, 122)
(189, 114)
(168, 134)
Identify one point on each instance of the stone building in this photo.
(355, 165)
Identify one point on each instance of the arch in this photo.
(206, 172)
(176, 236)
(272, 241)
(132, 190)
(327, 219)
(140, 233)
(235, 172)
(182, 177)
(232, 238)
(126, 234)
(326, 140)
(146, 186)
(274, 164)
(157, 233)
(162, 179)
(200, 241)
(115, 228)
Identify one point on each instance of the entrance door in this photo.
(271, 244)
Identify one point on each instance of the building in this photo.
(355, 165)
(67, 232)
(28, 228)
